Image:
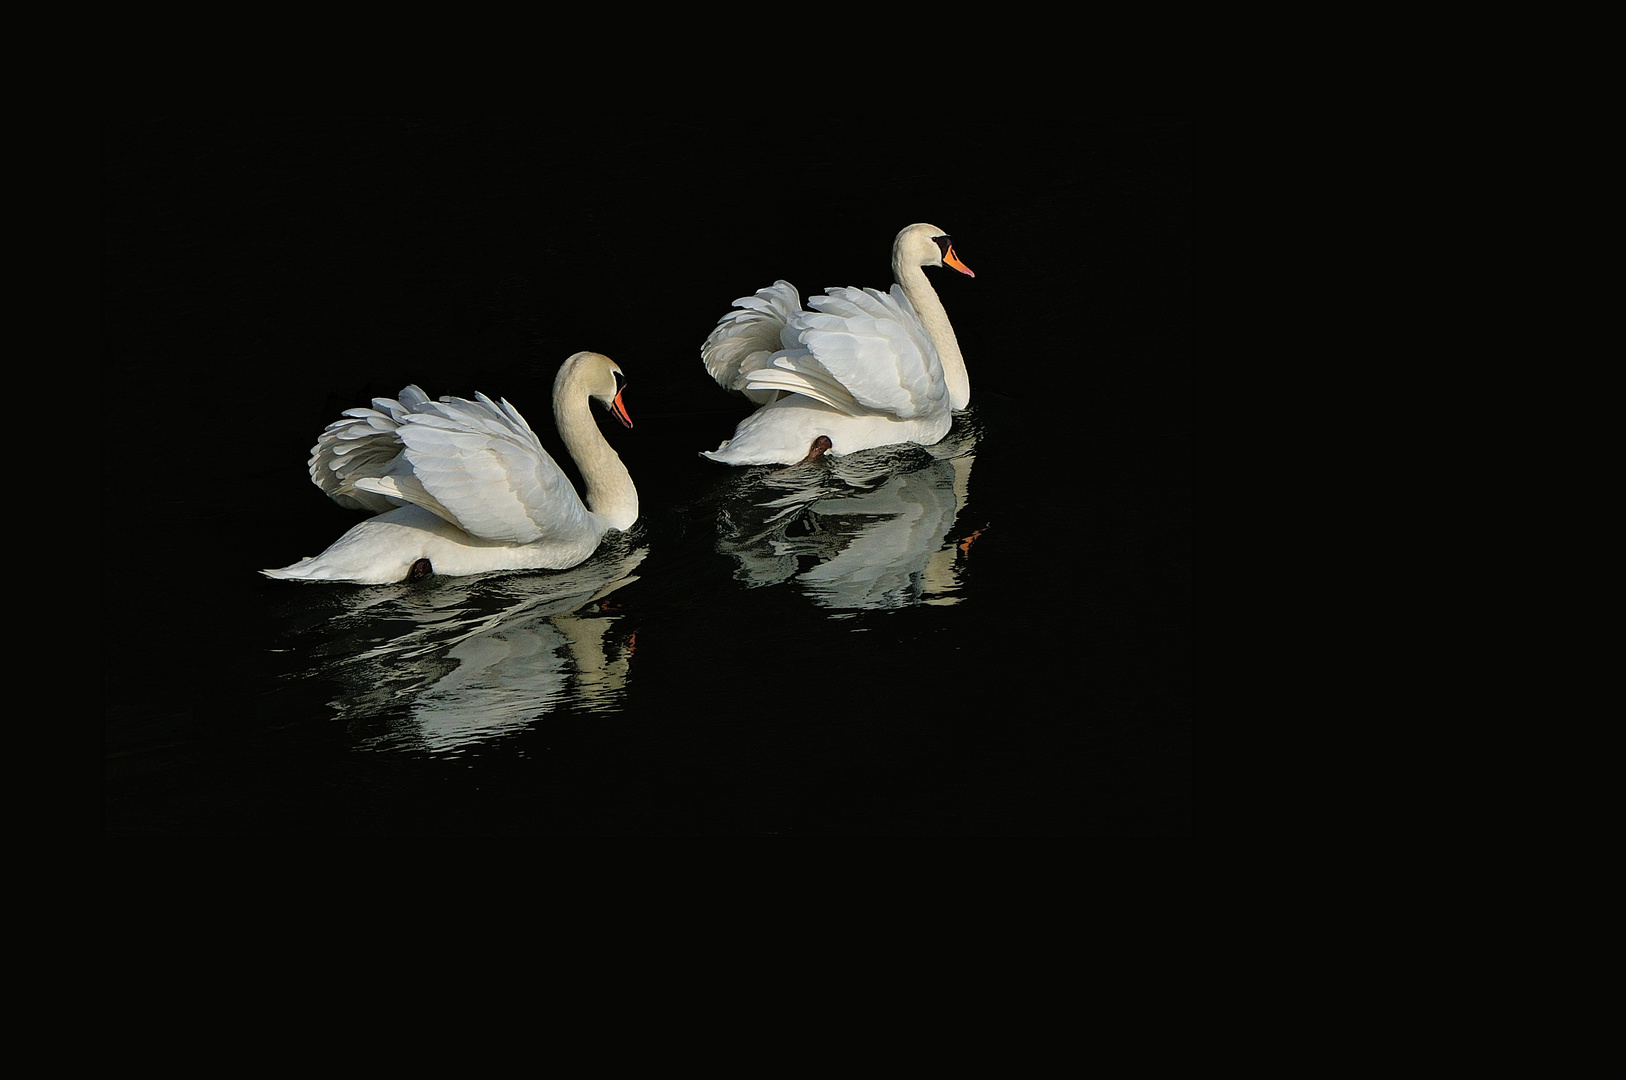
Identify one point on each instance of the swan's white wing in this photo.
(799, 372)
(869, 344)
(478, 465)
(744, 340)
(360, 446)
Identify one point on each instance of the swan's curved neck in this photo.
(912, 278)
(610, 494)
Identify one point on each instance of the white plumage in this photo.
(863, 368)
(467, 485)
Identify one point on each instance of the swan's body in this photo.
(863, 368)
(468, 486)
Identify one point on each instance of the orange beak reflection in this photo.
(620, 410)
(954, 261)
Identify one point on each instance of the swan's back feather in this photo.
(799, 372)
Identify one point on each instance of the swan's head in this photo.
(597, 376)
(925, 245)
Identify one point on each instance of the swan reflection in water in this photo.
(871, 530)
(446, 663)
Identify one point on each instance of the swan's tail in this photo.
(306, 569)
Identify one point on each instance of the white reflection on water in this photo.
(446, 663)
(871, 530)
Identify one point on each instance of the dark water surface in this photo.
(987, 637)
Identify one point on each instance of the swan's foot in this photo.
(816, 451)
(419, 570)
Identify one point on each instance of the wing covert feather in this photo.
(476, 464)
(872, 343)
(483, 468)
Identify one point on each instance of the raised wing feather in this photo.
(479, 465)
(744, 340)
(871, 345)
(476, 464)
(359, 446)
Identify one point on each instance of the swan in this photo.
(862, 369)
(464, 487)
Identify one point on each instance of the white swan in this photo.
(464, 487)
(862, 369)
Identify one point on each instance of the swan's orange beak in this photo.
(620, 410)
(954, 261)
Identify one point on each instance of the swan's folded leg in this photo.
(816, 451)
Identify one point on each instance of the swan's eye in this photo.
(620, 381)
(943, 244)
